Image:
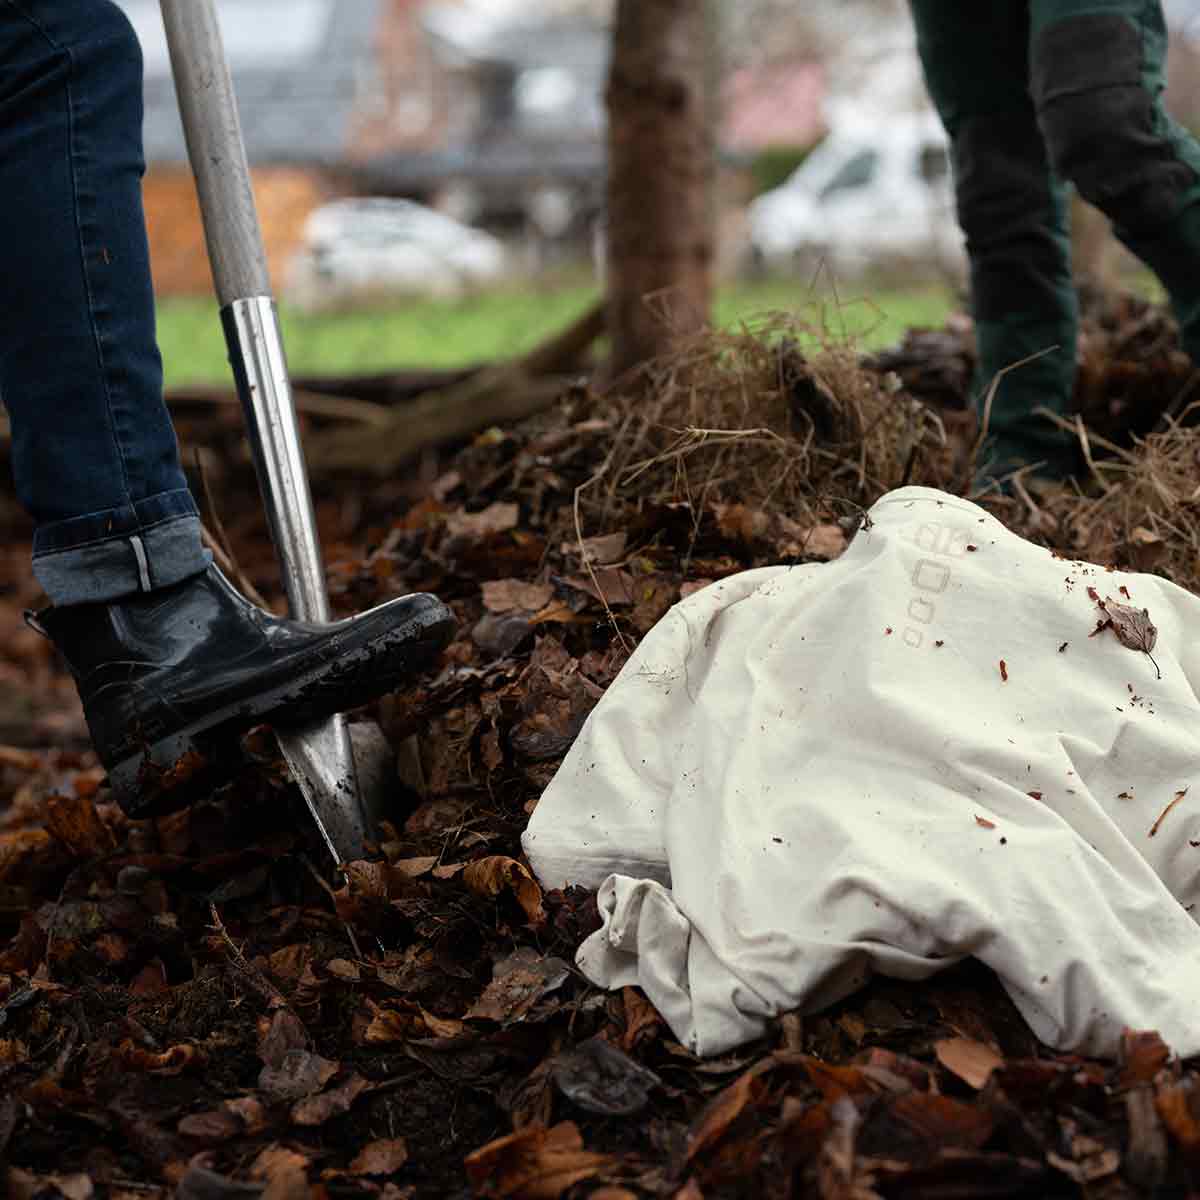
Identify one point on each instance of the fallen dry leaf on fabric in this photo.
(518, 983)
(972, 1061)
(1133, 628)
(490, 876)
(316, 1110)
(503, 595)
(380, 1157)
(533, 1164)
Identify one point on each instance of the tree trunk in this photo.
(660, 155)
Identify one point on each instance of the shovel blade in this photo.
(322, 761)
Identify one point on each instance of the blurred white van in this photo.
(871, 192)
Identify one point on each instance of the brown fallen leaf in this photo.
(23, 848)
(972, 1061)
(380, 1157)
(601, 550)
(210, 1128)
(170, 1062)
(945, 1121)
(748, 1091)
(1132, 626)
(414, 868)
(535, 1163)
(641, 1018)
(24, 1185)
(74, 821)
(199, 1182)
(496, 518)
(285, 1172)
(150, 980)
(609, 585)
(1143, 1055)
(316, 1110)
(504, 595)
(1175, 1103)
(300, 1073)
(1145, 548)
(518, 983)
(283, 1032)
(488, 877)
(393, 1025)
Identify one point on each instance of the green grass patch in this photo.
(428, 333)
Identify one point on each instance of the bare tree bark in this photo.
(660, 156)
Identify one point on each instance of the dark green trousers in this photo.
(1035, 93)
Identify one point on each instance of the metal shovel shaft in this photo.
(321, 756)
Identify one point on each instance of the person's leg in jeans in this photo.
(1014, 214)
(171, 663)
(94, 454)
(1097, 79)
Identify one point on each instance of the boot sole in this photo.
(183, 766)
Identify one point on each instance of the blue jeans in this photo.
(94, 454)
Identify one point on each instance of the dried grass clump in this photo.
(749, 416)
(1146, 516)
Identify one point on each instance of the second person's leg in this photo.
(1014, 214)
(1097, 79)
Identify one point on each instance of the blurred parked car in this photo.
(872, 191)
(376, 247)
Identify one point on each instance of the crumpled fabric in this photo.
(807, 775)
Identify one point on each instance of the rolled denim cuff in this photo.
(104, 556)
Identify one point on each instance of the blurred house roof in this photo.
(299, 68)
(776, 105)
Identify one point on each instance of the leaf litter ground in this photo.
(196, 1006)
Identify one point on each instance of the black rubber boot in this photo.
(170, 680)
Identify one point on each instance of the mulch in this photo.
(198, 1005)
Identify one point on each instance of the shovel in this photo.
(320, 755)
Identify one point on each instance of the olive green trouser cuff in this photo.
(1032, 93)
